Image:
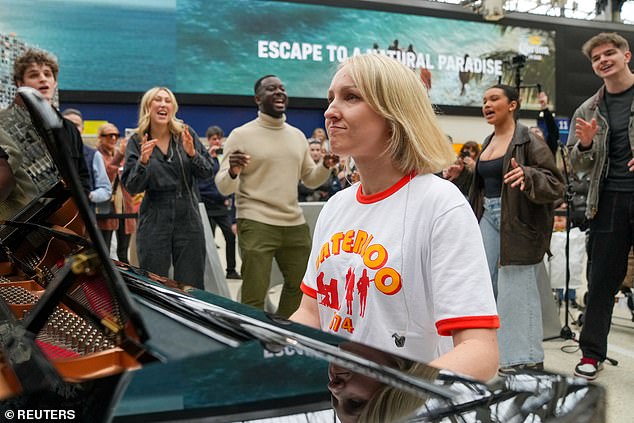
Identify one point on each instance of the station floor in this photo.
(563, 354)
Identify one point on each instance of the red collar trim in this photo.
(369, 199)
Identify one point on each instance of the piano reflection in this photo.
(106, 341)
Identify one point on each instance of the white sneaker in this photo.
(588, 368)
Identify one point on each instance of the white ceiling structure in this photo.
(575, 9)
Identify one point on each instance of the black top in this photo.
(76, 148)
(618, 106)
(491, 173)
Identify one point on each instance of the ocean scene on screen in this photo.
(101, 45)
(303, 44)
(221, 47)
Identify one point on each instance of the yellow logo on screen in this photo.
(535, 40)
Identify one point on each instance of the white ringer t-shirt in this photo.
(408, 261)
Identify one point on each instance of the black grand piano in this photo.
(86, 337)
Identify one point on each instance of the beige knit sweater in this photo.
(266, 189)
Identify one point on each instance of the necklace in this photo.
(170, 151)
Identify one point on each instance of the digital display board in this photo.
(221, 47)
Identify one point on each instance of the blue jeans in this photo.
(572, 294)
(490, 229)
(519, 306)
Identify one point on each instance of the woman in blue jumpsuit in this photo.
(164, 158)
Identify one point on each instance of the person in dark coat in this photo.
(217, 205)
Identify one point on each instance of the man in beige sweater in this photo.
(263, 162)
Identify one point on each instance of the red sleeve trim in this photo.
(447, 326)
(308, 290)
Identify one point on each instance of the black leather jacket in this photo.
(527, 216)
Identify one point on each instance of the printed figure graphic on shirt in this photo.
(349, 290)
(362, 288)
(329, 291)
(361, 293)
(374, 264)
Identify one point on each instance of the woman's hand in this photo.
(188, 142)
(516, 176)
(123, 142)
(146, 149)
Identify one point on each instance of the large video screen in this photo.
(221, 47)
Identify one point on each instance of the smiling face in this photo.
(271, 97)
(354, 128)
(40, 77)
(608, 60)
(496, 106)
(108, 136)
(161, 108)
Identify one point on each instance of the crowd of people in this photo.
(381, 265)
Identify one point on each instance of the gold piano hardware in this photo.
(85, 263)
(113, 326)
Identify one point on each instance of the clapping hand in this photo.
(238, 161)
(146, 149)
(453, 171)
(188, 142)
(123, 142)
(330, 160)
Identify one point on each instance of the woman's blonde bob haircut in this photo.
(175, 125)
(395, 92)
(394, 405)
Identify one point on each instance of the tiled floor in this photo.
(562, 355)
